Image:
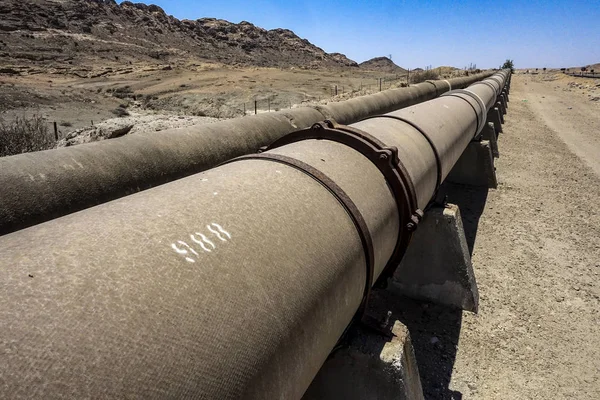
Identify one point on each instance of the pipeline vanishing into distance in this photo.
(232, 283)
(40, 186)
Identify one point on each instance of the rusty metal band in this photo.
(487, 83)
(386, 160)
(341, 196)
(409, 193)
(478, 100)
(498, 79)
(436, 154)
(434, 85)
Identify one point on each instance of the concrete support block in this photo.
(503, 100)
(505, 93)
(489, 133)
(501, 109)
(437, 264)
(475, 166)
(493, 116)
(500, 105)
(370, 367)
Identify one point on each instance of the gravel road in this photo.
(536, 254)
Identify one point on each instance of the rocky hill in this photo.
(382, 64)
(75, 32)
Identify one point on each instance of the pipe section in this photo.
(48, 184)
(232, 283)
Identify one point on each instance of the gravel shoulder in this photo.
(535, 245)
(537, 255)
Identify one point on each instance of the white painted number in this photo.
(207, 245)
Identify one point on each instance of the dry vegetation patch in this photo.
(24, 134)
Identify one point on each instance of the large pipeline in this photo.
(40, 186)
(232, 283)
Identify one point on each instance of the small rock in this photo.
(434, 340)
(119, 131)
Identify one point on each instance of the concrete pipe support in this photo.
(232, 283)
(40, 186)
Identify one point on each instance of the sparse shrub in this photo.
(509, 64)
(423, 76)
(120, 112)
(66, 124)
(24, 135)
(122, 92)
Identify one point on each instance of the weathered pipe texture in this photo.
(40, 186)
(231, 283)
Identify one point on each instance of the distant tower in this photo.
(390, 57)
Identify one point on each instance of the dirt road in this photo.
(535, 245)
(537, 254)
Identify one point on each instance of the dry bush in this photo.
(423, 76)
(120, 112)
(24, 134)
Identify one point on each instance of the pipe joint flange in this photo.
(386, 159)
(480, 116)
(345, 201)
(489, 84)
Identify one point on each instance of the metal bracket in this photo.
(387, 161)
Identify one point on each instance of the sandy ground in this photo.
(537, 254)
(183, 89)
(535, 245)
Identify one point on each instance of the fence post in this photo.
(336, 90)
(244, 109)
(380, 84)
(55, 131)
(269, 103)
(255, 107)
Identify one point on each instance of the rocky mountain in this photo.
(382, 64)
(73, 31)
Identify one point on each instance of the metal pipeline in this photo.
(40, 186)
(232, 283)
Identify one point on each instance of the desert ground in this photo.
(535, 245)
(178, 94)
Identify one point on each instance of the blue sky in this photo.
(533, 33)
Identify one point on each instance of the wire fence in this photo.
(584, 74)
(275, 102)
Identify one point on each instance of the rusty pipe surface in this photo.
(231, 283)
(40, 186)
